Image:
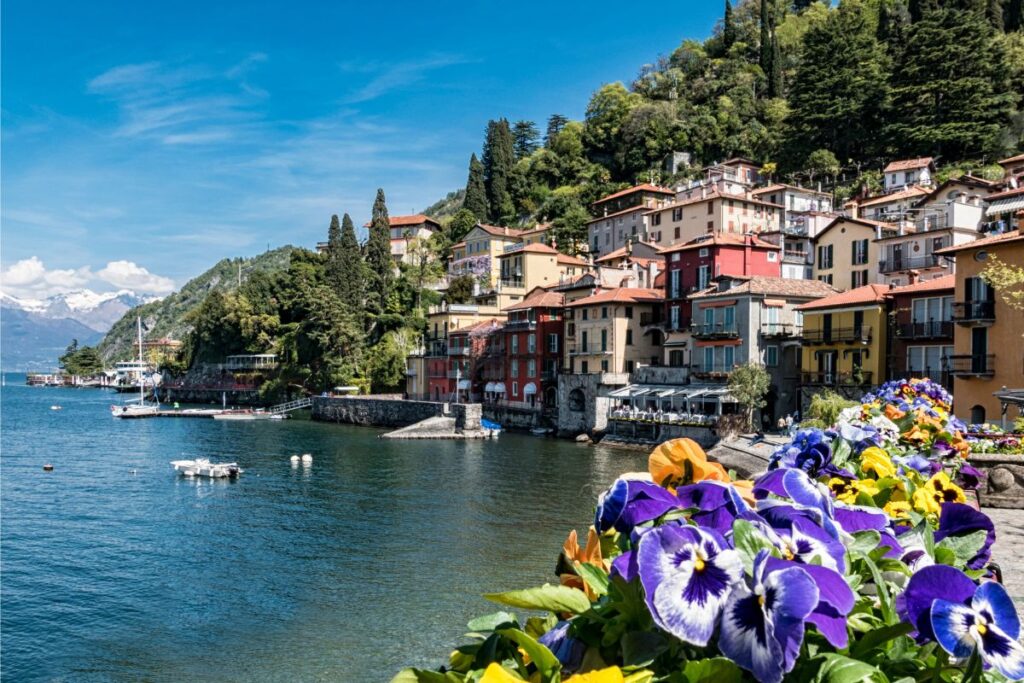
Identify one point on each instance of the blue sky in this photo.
(144, 141)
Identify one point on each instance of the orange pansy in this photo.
(682, 461)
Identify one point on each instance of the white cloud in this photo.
(128, 275)
(30, 279)
(400, 75)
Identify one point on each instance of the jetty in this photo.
(211, 413)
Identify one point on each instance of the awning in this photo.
(621, 393)
(489, 388)
(499, 388)
(464, 384)
(1008, 205)
(529, 389)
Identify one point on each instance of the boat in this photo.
(56, 408)
(491, 429)
(137, 408)
(540, 431)
(201, 467)
(247, 415)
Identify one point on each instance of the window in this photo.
(703, 274)
(677, 233)
(827, 279)
(858, 278)
(515, 343)
(604, 366)
(531, 368)
(531, 343)
(656, 219)
(677, 215)
(798, 319)
(711, 226)
(673, 284)
(629, 337)
(709, 358)
(730, 316)
(604, 340)
(629, 312)
(630, 365)
(773, 256)
(711, 208)
(572, 330)
(553, 343)
(674, 317)
(771, 356)
(604, 313)
(825, 257)
(675, 257)
(860, 252)
(585, 313)
(515, 388)
(514, 368)
(730, 357)
(709, 317)
(702, 252)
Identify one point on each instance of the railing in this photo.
(520, 324)
(714, 370)
(936, 221)
(549, 375)
(779, 330)
(972, 365)
(438, 374)
(524, 351)
(511, 282)
(974, 311)
(933, 329)
(714, 330)
(908, 263)
(837, 334)
(458, 350)
(651, 318)
(832, 378)
(587, 349)
(794, 257)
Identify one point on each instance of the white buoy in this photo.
(307, 459)
(294, 458)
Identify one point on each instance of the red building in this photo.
(532, 347)
(691, 266)
(922, 333)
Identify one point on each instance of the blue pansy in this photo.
(715, 505)
(763, 621)
(630, 502)
(927, 584)
(809, 451)
(989, 624)
(567, 649)
(687, 574)
(860, 436)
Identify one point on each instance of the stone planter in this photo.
(1003, 486)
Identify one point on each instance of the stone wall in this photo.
(583, 401)
(375, 412)
(467, 416)
(630, 431)
(513, 418)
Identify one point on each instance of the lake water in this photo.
(115, 569)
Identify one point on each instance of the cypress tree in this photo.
(766, 41)
(775, 75)
(950, 93)
(350, 266)
(1014, 15)
(499, 158)
(994, 10)
(333, 266)
(378, 256)
(525, 135)
(728, 27)
(476, 195)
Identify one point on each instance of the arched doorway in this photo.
(977, 414)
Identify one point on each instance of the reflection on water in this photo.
(369, 558)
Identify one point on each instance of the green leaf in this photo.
(640, 648)
(839, 669)
(716, 669)
(748, 541)
(879, 637)
(489, 622)
(422, 676)
(945, 556)
(595, 577)
(865, 541)
(964, 547)
(546, 597)
(841, 452)
(545, 661)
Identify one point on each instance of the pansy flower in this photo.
(682, 461)
(687, 574)
(988, 625)
(877, 462)
(763, 621)
(631, 501)
(715, 505)
(957, 519)
(936, 491)
(567, 649)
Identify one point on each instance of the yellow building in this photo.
(478, 253)
(988, 348)
(612, 331)
(844, 341)
(524, 267)
(539, 235)
(845, 253)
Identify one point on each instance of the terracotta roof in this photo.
(785, 186)
(415, 219)
(619, 213)
(644, 187)
(1004, 194)
(738, 160)
(621, 251)
(499, 231)
(720, 239)
(539, 298)
(1011, 236)
(907, 164)
(912, 191)
(868, 294)
(478, 327)
(567, 260)
(772, 286)
(867, 222)
(966, 179)
(543, 227)
(710, 196)
(458, 244)
(1011, 160)
(944, 282)
(643, 261)
(621, 295)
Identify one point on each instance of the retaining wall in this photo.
(513, 418)
(375, 412)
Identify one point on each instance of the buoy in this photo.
(56, 408)
(307, 458)
(47, 467)
(295, 458)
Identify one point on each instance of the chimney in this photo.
(703, 192)
(914, 277)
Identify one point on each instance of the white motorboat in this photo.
(201, 467)
(247, 415)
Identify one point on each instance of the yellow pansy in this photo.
(612, 674)
(876, 460)
(847, 491)
(938, 490)
(496, 673)
(900, 509)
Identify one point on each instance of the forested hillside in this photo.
(813, 92)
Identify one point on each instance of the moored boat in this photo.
(202, 467)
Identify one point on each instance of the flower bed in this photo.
(854, 558)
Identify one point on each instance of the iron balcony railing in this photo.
(932, 329)
(967, 312)
(520, 324)
(972, 365)
(799, 257)
(651, 318)
(588, 349)
(511, 282)
(714, 330)
(779, 330)
(837, 334)
(712, 370)
(909, 263)
(862, 378)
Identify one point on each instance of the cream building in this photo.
(611, 331)
(846, 253)
(685, 220)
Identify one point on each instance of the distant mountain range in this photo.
(35, 332)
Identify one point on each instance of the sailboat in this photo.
(139, 408)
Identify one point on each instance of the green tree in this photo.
(839, 92)
(498, 161)
(460, 289)
(950, 91)
(379, 270)
(821, 162)
(569, 230)
(607, 110)
(475, 200)
(334, 251)
(749, 384)
(765, 44)
(460, 225)
(556, 122)
(386, 362)
(1008, 281)
(350, 266)
(728, 27)
(84, 361)
(525, 138)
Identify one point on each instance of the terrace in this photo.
(972, 365)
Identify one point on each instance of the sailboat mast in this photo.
(142, 381)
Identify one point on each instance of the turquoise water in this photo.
(114, 569)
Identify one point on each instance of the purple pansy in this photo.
(630, 502)
(918, 463)
(809, 451)
(763, 621)
(969, 477)
(687, 574)
(567, 649)
(716, 504)
(860, 436)
(835, 599)
(927, 584)
(957, 519)
(988, 624)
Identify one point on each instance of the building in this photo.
(428, 368)
(846, 253)
(892, 208)
(620, 217)
(921, 339)
(524, 267)
(538, 235)
(405, 232)
(1013, 171)
(988, 349)
(743, 320)
(630, 253)
(899, 175)
(806, 212)
(844, 342)
(478, 253)
(1005, 210)
(532, 346)
(682, 221)
(612, 331)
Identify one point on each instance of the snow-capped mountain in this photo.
(96, 310)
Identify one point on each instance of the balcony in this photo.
(438, 374)
(660, 374)
(588, 349)
(779, 331)
(549, 375)
(511, 283)
(862, 379)
(458, 350)
(974, 312)
(715, 331)
(933, 329)
(517, 325)
(798, 257)
(524, 351)
(494, 351)
(972, 365)
(712, 371)
(910, 263)
(652, 318)
(860, 335)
